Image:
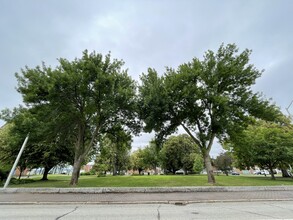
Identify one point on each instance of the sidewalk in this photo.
(173, 195)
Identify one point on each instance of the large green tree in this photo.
(137, 160)
(178, 152)
(86, 98)
(224, 162)
(44, 149)
(150, 156)
(113, 152)
(208, 98)
(265, 144)
(145, 158)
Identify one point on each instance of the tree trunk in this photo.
(45, 175)
(155, 169)
(173, 171)
(285, 173)
(21, 169)
(114, 170)
(76, 171)
(272, 173)
(185, 172)
(19, 176)
(209, 168)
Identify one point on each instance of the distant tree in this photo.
(209, 98)
(86, 98)
(137, 160)
(178, 152)
(268, 145)
(223, 162)
(150, 156)
(113, 152)
(198, 163)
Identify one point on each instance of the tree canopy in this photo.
(224, 162)
(86, 97)
(178, 152)
(113, 152)
(209, 98)
(265, 144)
(44, 148)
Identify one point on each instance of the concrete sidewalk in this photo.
(173, 195)
(99, 190)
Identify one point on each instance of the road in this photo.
(223, 210)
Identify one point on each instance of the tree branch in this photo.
(90, 145)
(213, 135)
(192, 136)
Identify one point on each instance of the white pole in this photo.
(16, 162)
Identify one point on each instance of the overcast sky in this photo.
(144, 34)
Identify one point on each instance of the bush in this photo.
(85, 174)
(101, 174)
(15, 181)
(91, 172)
(4, 172)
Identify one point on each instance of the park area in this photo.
(62, 181)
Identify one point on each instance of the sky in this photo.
(147, 33)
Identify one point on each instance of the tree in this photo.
(150, 156)
(87, 97)
(44, 148)
(113, 152)
(268, 145)
(198, 164)
(137, 161)
(145, 158)
(223, 162)
(208, 99)
(4, 158)
(178, 152)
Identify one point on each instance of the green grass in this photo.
(62, 181)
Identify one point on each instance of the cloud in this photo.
(147, 34)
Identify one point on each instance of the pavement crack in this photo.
(67, 213)
(254, 213)
(280, 207)
(159, 214)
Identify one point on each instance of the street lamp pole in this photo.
(16, 162)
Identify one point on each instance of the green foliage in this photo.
(178, 152)
(145, 158)
(150, 156)
(137, 160)
(91, 172)
(209, 98)
(84, 98)
(268, 145)
(45, 148)
(113, 153)
(198, 163)
(4, 171)
(224, 162)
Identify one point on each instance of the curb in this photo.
(100, 190)
(171, 202)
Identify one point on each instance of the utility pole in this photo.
(16, 162)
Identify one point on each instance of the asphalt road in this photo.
(221, 210)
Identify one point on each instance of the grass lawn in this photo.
(62, 181)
